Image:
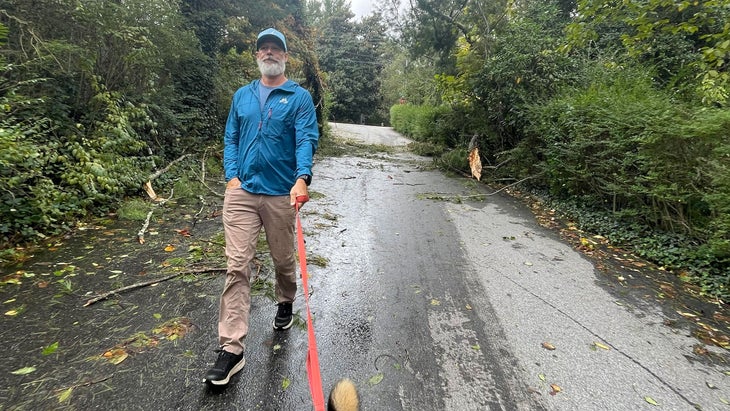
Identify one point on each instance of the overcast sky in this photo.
(361, 7)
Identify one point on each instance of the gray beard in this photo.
(271, 69)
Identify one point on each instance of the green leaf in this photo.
(65, 395)
(50, 349)
(376, 379)
(23, 371)
(285, 383)
(651, 400)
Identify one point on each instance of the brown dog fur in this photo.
(343, 397)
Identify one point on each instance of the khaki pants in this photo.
(243, 216)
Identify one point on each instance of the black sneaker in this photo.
(284, 318)
(225, 366)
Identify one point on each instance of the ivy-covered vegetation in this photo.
(617, 112)
(97, 95)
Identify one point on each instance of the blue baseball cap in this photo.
(271, 34)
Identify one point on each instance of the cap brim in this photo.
(272, 38)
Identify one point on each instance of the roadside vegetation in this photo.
(615, 115)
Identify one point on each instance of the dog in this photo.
(344, 397)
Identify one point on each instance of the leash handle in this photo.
(301, 200)
(313, 371)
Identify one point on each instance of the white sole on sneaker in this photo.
(236, 368)
(286, 327)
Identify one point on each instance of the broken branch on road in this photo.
(150, 282)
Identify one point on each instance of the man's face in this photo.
(271, 59)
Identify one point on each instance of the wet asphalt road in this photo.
(426, 303)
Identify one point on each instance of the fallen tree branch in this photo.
(85, 383)
(211, 190)
(164, 170)
(150, 282)
(202, 175)
(140, 233)
(515, 183)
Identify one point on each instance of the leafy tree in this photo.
(408, 80)
(667, 34)
(350, 54)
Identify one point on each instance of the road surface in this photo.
(430, 292)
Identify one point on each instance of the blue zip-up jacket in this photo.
(267, 150)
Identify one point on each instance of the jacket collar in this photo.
(288, 86)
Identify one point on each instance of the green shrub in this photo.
(455, 161)
(424, 123)
(627, 150)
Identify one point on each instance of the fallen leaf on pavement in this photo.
(65, 395)
(115, 356)
(23, 371)
(376, 379)
(184, 232)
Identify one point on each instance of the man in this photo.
(270, 139)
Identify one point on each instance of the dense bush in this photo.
(424, 123)
(52, 172)
(623, 147)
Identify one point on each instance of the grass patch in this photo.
(185, 187)
(134, 209)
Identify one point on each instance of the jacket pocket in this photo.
(279, 122)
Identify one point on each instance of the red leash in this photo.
(315, 378)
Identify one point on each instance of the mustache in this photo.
(271, 67)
